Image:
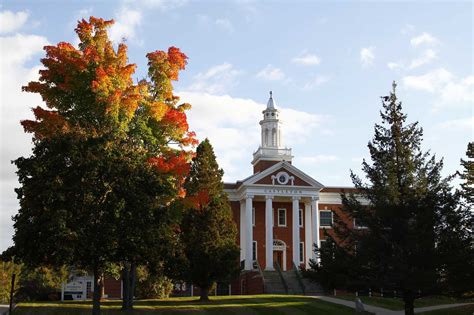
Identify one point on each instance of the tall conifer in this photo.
(208, 230)
(408, 213)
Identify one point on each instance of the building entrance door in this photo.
(278, 258)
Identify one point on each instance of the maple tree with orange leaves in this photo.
(110, 158)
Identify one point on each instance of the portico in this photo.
(295, 218)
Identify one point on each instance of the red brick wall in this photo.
(253, 284)
(281, 233)
(263, 165)
(112, 288)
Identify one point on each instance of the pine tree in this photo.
(408, 210)
(467, 176)
(457, 235)
(208, 231)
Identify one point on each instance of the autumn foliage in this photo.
(91, 89)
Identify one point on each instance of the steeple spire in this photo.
(271, 102)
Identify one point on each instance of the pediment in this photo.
(283, 174)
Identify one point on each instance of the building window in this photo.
(358, 224)
(253, 216)
(301, 252)
(254, 250)
(281, 217)
(300, 216)
(325, 218)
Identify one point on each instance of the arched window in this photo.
(266, 138)
(274, 137)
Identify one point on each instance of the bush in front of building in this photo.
(41, 284)
(152, 285)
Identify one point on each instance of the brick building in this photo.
(280, 211)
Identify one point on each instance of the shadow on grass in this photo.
(261, 304)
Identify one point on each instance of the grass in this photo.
(461, 310)
(397, 304)
(252, 305)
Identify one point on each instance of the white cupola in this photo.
(271, 126)
(271, 148)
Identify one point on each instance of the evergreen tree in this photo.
(457, 235)
(467, 175)
(208, 232)
(408, 210)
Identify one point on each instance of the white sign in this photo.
(74, 286)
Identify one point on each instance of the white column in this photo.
(296, 231)
(248, 233)
(315, 215)
(308, 235)
(268, 233)
(242, 230)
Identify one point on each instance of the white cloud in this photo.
(316, 81)
(225, 25)
(424, 39)
(271, 73)
(427, 56)
(460, 91)
(126, 22)
(307, 59)
(430, 81)
(458, 124)
(232, 126)
(367, 56)
(16, 51)
(12, 21)
(217, 79)
(320, 158)
(450, 90)
(394, 65)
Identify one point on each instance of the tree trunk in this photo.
(133, 276)
(125, 286)
(409, 299)
(204, 295)
(97, 293)
(102, 287)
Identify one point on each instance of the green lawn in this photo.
(463, 310)
(397, 304)
(257, 304)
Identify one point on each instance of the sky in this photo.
(327, 63)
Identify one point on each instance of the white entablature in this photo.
(252, 185)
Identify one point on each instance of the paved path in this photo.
(3, 309)
(383, 311)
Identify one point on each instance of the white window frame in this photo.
(253, 216)
(300, 218)
(301, 254)
(254, 250)
(278, 217)
(332, 219)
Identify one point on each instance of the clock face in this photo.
(282, 178)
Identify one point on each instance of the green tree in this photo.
(109, 159)
(408, 210)
(457, 235)
(208, 232)
(7, 269)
